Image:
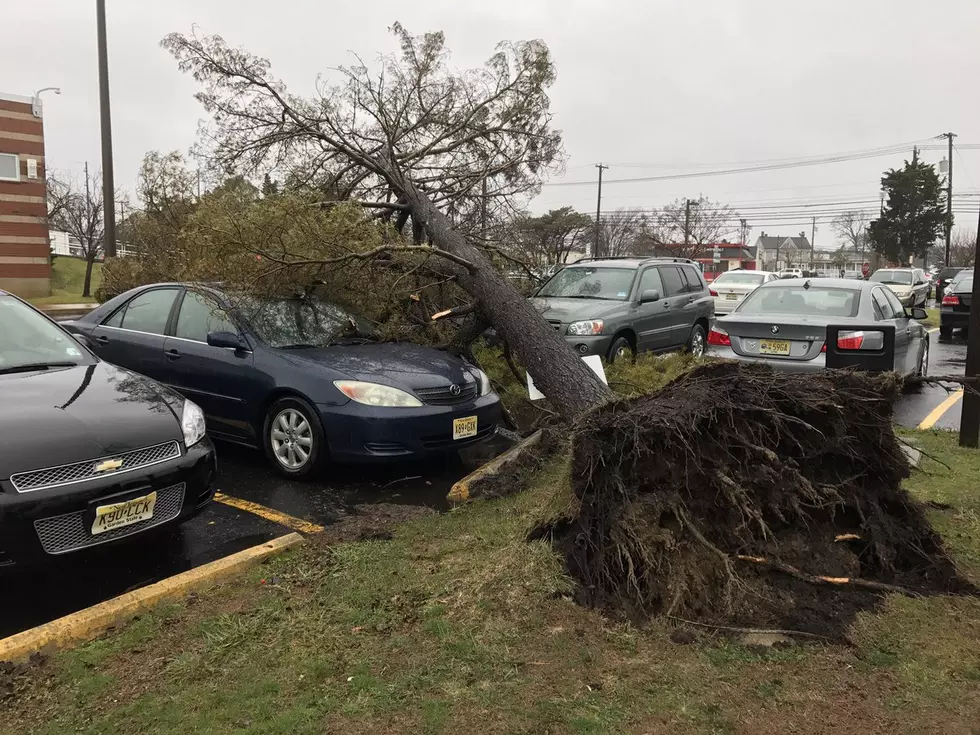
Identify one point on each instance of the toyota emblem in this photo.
(774, 329)
(455, 389)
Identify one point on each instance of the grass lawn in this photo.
(458, 625)
(933, 320)
(67, 279)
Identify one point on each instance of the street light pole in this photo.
(36, 100)
(970, 414)
(108, 183)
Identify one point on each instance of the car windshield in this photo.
(812, 301)
(965, 284)
(302, 322)
(947, 273)
(29, 341)
(898, 278)
(612, 284)
(960, 275)
(739, 279)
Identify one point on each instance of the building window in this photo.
(9, 167)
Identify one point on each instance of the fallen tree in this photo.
(741, 496)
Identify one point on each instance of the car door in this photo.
(677, 302)
(652, 321)
(219, 379)
(133, 336)
(893, 312)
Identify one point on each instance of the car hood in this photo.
(396, 364)
(573, 310)
(86, 412)
(898, 288)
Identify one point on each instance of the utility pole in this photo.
(108, 184)
(949, 193)
(598, 212)
(970, 415)
(813, 240)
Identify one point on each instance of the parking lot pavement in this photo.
(934, 407)
(255, 506)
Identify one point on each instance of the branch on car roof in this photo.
(374, 253)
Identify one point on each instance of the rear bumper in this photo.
(60, 516)
(725, 306)
(791, 366)
(358, 433)
(954, 319)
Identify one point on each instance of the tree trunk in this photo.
(87, 287)
(557, 370)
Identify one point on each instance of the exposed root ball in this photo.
(702, 501)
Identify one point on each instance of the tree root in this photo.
(819, 579)
(750, 631)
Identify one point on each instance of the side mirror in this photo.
(650, 295)
(229, 340)
(918, 313)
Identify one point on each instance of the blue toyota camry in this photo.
(300, 378)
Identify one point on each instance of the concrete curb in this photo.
(463, 490)
(92, 622)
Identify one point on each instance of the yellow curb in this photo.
(92, 622)
(270, 514)
(939, 411)
(460, 492)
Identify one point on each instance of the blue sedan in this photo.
(300, 378)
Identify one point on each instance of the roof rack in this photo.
(640, 258)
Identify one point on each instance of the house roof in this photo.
(772, 242)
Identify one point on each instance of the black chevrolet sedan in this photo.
(89, 453)
(298, 377)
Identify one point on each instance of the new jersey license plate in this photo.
(464, 428)
(117, 515)
(774, 347)
(731, 296)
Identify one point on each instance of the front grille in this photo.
(444, 396)
(81, 471)
(70, 532)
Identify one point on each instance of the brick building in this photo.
(25, 263)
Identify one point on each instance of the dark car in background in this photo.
(90, 454)
(943, 279)
(786, 324)
(299, 377)
(614, 307)
(954, 310)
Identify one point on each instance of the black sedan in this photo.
(298, 377)
(90, 453)
(954, 311)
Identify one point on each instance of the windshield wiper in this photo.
(299, 346)
(30, 367)
(582, 296)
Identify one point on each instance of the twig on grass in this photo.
(758, 631)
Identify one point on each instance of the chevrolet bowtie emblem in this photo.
(108, 466)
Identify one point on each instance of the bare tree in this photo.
(551, 238)
(688, 231)
(962, 248)
(624, 232)
(419, 142)
(77, 208)
(852, 228)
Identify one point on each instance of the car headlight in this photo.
(593, 326)
(484, 380)
(192, 423)
(375, 394)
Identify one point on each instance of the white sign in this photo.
(716, 255)
(32, 168)
(593, 361)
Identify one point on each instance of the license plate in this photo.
(464, 428)
(732, 296)
(774, 347)
(117, 515)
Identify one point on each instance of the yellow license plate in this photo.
(464, 428)
(732, 296)
(774, 347)
(117, 515)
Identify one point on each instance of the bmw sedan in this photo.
(300, 378)
(90, 454)
(812, 324)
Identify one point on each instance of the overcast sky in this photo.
(651, 87)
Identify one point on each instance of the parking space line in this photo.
(284, 519)
(933, 330)
(939, 411)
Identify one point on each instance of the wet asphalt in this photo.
(73, 583)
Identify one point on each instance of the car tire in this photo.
(945, 331)
(921, 370)
(697, 342)
(293, 437)
(619, 349)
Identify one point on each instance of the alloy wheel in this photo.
(697, 343)
(292, 438)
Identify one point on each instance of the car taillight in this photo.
(824, 347)
(712, 292)
(951, 300)
(719, 338)
(850, 340)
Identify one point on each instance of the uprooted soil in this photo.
(743, 497)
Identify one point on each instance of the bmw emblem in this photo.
(774, 329)
(455, 389)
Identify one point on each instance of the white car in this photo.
(731, 287)
(909, 284)
(791, 273)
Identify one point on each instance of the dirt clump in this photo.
(740, 496)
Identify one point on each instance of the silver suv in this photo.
(615, 307)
